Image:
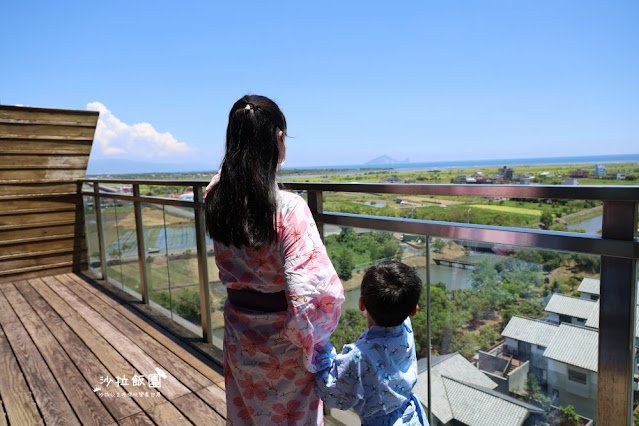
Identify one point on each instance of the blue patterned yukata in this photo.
(375, 376)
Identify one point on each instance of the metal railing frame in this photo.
(618, 247)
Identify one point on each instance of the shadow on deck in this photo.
(62, 337)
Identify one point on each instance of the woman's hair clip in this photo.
(249, 106)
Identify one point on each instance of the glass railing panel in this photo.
(180, 244)
(112, 247)
(159, 283)
(519, 321)
(128, 248)
(91, 229)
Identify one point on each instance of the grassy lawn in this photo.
(507, 209)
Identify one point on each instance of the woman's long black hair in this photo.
(241, 208)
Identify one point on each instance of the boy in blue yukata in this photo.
(375, 375)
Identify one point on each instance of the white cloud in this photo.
(140, 141)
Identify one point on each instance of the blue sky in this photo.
(428, 81)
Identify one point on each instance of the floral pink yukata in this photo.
(269, 358)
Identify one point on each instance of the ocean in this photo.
(587, 159)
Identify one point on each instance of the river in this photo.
(455, 278)
(591, 226)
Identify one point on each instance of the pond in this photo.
(378, 204)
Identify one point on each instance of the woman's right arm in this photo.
(315, 293)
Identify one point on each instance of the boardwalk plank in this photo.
(3, 419)
(171, 342)
(167, 414)
(215, 397)
(170, 386)
(49, 397)
(167, 359)
(89, 365)
(75, 334)
(197, 411)
(79, 393)
(110, 357)
(139, 419)
(16, 397)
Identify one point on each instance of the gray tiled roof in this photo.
(572, 306)
(455, 367)
(530, 330)
(574, 345)
(477, 406)
(589, 285)
(593, 320)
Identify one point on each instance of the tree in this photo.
(546, 219)
(351, 325)
(446, 321)
(346, 235)
(345, 265)
(187, 304)
(438, 245)
(568, 416)
(535, 394)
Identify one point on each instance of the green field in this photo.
(507, 209)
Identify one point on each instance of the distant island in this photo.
(385, 159)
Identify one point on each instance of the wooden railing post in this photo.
(617, 322)
(316, 205)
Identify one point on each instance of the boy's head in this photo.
(390, 293)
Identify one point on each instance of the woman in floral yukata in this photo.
(284, 296)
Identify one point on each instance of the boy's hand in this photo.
(324, 357)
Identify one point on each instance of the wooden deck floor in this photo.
(60, 337)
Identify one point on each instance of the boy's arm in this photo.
(339, 382)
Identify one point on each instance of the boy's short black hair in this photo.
(390, 291)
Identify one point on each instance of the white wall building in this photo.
(527, 339)
(461, 394)
(568, 309)
(589, 289)
(572, 368)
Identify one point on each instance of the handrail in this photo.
(524, 237)
(618, 247)
(566, 192)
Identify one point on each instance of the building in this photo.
(527, 339)
(618, 176)
(589, 289)
(600, 170)
(506, 173)
(572, 368)
(506, 370)
(579, 173)
(480, 177)
(570, 181)
(392, 179)
(465, 179)
(461, 394)
(568, 309)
